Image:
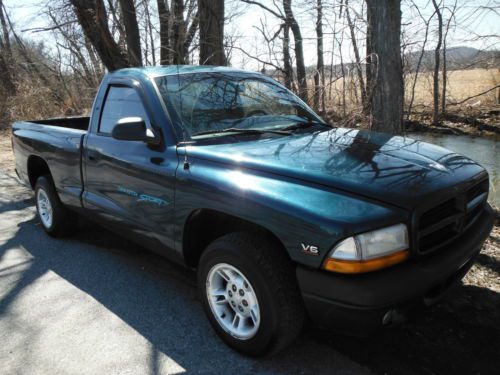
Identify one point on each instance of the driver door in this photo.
(129, 184)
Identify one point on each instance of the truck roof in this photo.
(156, 71)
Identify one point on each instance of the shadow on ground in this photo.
(156, 298)
(159, 300)
(461, 335)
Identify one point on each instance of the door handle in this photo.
(92, 155)
(157, 160)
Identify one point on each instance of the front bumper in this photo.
(357, 304)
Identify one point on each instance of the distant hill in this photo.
(456, 58)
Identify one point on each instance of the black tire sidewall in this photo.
(259, 344)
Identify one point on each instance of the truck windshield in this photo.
(210, 104)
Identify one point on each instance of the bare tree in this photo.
(437, 63)
(178, 34)
(357, 56)
(92, 17)
(5, 39)
(445, 69)
(150, 33)
(164, 17)
(384, 23)
(420, 58)
(193, 27)
(33, 67)
(319, 74)
(299, 50)
(287, 65)
(132, 35)
(6, 71)
(211, 20)
(74, 43)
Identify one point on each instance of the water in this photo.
(485, 151)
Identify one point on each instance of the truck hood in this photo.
(396, 170)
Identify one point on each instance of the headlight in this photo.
(369, 251)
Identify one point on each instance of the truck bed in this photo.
(79, 123)
(58, 143)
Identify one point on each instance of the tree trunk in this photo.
(211, 19)
(332, 58)
(287, 66)
(164, 17)
(132, 35)
(5, 31)
(96, 63)
(445, 69)
(319, 75)
(437, 55)
(444, 80)
(178, 33)
(384, 22)
(357, 57)
(342, 69)
(6, 71)
(417, 68)
(91, 15)
(369, 67)
(190, 35)
(299, 51)
(150, 33)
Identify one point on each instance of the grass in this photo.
(461, 85)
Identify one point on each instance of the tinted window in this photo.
(120, 102)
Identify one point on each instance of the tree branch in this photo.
(274, 13)
(475, 96)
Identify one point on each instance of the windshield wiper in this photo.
(303, 125)
(243, 131)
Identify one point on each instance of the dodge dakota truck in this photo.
(284, 217)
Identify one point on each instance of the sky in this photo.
(247, 19)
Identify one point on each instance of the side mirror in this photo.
(132, 129)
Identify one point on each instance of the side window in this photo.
(120, 102)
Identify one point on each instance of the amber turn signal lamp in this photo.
(362, 266)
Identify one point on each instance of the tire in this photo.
(56, 219)
(279, 316)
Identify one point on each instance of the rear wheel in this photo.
(56, 219)
(249, 292)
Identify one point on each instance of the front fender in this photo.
(294, 211)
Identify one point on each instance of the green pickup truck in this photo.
(285, 217)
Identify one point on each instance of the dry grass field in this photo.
(461, 85)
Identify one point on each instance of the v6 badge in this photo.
(310, 249)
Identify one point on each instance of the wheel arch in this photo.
(203, 226)
(36, 168)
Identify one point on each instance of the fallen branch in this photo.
(471, 121)
(474, 96)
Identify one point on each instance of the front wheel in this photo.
(249, 292)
